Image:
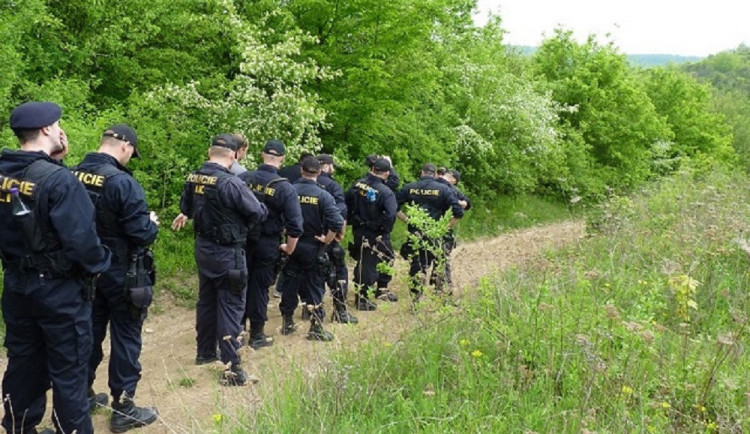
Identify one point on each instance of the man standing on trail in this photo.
(372, 212)
(223, 209)
(450, 178)
(264, 243)
(126, 227)
(435, 199)
(392, 182)
(292, 173)
(337, 276)
(51, 256)
(303, 272)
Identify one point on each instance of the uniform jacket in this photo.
(372, 205)
(319, 210)
(62, 206)
(432, 196)
(280, 198)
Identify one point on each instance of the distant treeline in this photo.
(415, 79)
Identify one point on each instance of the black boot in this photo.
(364, 304)
(305, 314)
(235, 376)
(97, 400)
(204, 359)
(125, 415)
(317, 332)
(258, 338)
(288, 326)
(342, 315)
(386, 295)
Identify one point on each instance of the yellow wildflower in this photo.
(477, 354)
(627, 390)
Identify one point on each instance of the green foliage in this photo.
(605, 106)
(686, 106)
(596, 341)
(727, 73)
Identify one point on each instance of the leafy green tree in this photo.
(267, 98)
(604, 102)
(686, 106)
(729, 75)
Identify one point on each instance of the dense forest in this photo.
(415, 79)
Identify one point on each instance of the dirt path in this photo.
(189, 398)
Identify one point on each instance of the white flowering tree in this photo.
(266, 98)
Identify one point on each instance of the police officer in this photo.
(292, 173)
(265, 245)
(223, 209)
(242, 145)
(337, 276)
(49, 251)
(392, 182)
(436, 199)
(322, 223)
(372, 212)
(393, 179)
(450, 178)
(126, 227)
(453, 176)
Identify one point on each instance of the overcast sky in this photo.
(685, 27)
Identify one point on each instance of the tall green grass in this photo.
(640, 328)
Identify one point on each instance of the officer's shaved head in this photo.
(220, 152)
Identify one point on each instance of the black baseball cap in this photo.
(429, 168)
(126, 134)
(325, 158)
(442, 170)
(370, 160)
(34, 115)
(381, 165)
(310, 165)
(275, 147)
(225, 141)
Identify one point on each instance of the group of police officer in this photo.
(76, 258)
(74, 248)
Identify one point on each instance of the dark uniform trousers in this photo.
(421, 263)
(111, 307)
(262, 262)
(46, 320)
(366, 272)
(303, 274)
(219, 310)
(339, 264)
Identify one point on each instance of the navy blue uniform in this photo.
(372, 212)
(303, 273)
(124, 225)
(284, 213)
(292, 173)
(449, 241)
(335, 252)
(393, 180)
(46, 309)
(222, 209)
(436, 199)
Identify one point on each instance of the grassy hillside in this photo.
(640, 328)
